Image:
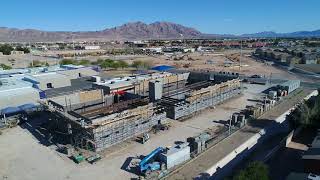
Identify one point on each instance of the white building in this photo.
(16, 92)
(92, 47)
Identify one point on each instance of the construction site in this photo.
(131, 106)
(198, 96)
(156, 125)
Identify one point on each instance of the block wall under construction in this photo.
(170, 82)
(200, 99)
(100, 128)
(106, 135)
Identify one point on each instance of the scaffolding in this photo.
(100, 128)
(185, 103)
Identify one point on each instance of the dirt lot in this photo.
(216, 62)
(190, 61)
(23, 157)
(23, 61)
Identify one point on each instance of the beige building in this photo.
(17, 52)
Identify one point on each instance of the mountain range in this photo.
(131, 31)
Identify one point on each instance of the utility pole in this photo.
(240, 56)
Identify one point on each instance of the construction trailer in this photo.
(100, 126)
(198, 96)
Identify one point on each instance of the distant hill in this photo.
(269, 34)
(131, 31)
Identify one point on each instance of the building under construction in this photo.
(198, 96)
(114, 111)
(100, 126)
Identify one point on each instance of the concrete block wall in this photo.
(186, 109)
(119, 132)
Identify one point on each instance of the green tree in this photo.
(84, 62)
(147, 64)
(24, 49)
(5, 67)
(254, 171)
(67, 61)
(306, 113)
(107, 63)
(137, 64)
(6, 49)
(115, 65)
(315, 109)
(98, 62)
(141, 64)
(123, 64)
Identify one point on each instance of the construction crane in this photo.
(147, 167)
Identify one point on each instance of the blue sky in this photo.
(208, 16)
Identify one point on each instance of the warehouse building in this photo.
(15, 92)
(22, 87)
(50, 80)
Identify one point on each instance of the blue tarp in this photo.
(13, 110)
(10, 110)
(42, 95)
(27, 107)
(162, 68)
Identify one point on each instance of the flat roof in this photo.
(76, 85)
(40, 70)
(8, 84)
(47, 76)
(289, 82)
(176, 149)
(312, 154)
